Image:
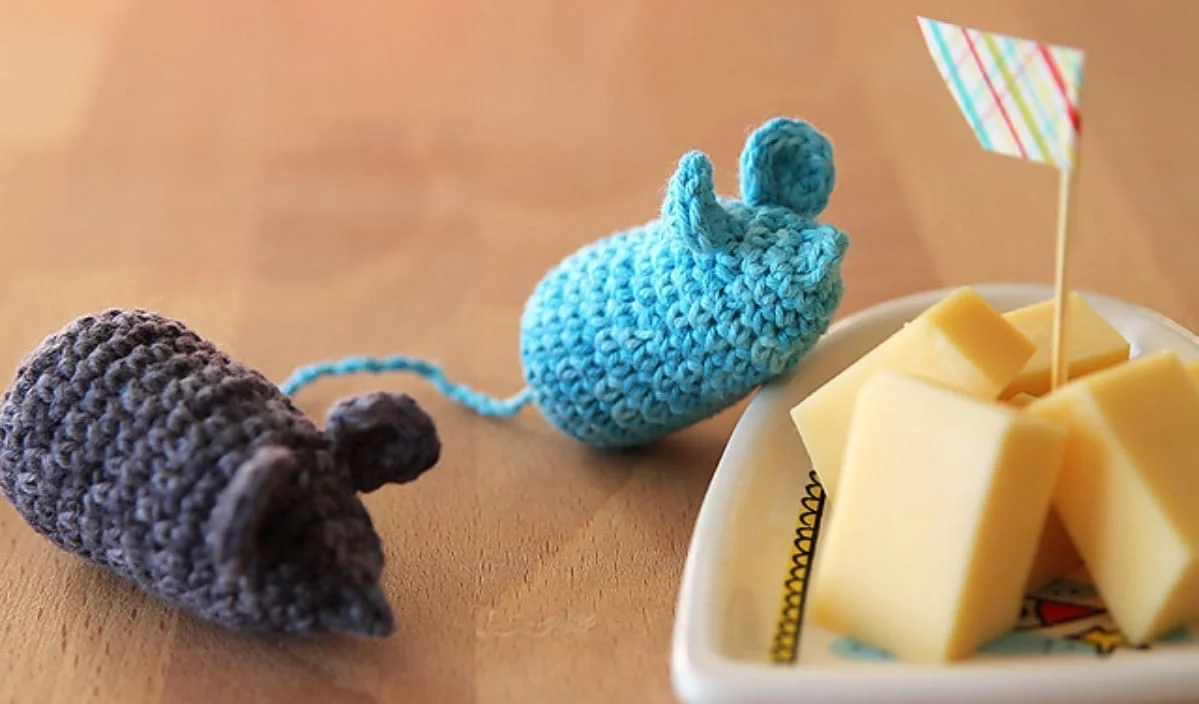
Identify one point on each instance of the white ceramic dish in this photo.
(738, 620)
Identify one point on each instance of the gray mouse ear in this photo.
(238, 514)
(382, 438)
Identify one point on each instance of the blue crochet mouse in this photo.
(652, 329)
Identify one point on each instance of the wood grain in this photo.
(301, 179)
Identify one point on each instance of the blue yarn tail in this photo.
(474, 400)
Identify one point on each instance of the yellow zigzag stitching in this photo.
(795, 587)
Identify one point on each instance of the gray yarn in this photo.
(130, 441)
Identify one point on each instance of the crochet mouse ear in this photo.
(690, 210)
(788, 163)
(382, 438)
(239, 510)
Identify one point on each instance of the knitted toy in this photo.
(654, 328)
(128, 440)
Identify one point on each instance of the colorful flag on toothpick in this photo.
(1019, 96)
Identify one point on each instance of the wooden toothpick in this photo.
(1062, 285)
(1061, 308)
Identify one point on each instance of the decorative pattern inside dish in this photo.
(1064, 617)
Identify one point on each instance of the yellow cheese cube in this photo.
(1021, 399)
(1128, 490)
(927, 549)
(960, 341)
(1056, 555)
(1091, 344)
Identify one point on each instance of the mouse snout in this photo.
(824, 250)
(364, 612)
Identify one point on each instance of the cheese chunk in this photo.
(927, 549)
(1091, 344)
(960, 341)
(1021, 399)
(1128, 488)
(1193, 369)
(1056, 555)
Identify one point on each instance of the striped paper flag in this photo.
(1019, 96)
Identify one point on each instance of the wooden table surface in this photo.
(300, 179)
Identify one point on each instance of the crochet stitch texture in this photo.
(652, 329)
(128, 440)
(655, 328)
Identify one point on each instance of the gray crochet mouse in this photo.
(129, 440)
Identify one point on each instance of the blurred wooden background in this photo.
(300, 179)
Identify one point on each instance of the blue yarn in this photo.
(478, 402)
(692, 210)
(651, 329)
(788, 164)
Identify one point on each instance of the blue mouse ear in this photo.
(690, 210)
(788, 163)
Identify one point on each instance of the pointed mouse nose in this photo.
(365, 613)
